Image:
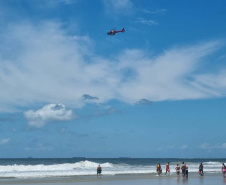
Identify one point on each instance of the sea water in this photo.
(39, 168)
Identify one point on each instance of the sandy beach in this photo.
(193, 179)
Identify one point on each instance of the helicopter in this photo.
(113, 32)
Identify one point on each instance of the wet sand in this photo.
(208, 179)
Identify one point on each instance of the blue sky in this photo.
(156, 90)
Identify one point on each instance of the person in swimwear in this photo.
(177, 168)
(223, 169)
(159, 169)
(99, 171)
(183, 168)
(167, 168)
(186, 171)
(201, 169)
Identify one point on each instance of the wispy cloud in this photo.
(170, 146)
(54, 3)
(48, 113)
(118, 6)
(4, 141)
(49, 66)
(38, 145)
(208, 146)
(144, 21)
(216, 81)
(157, 11)
(183, 147)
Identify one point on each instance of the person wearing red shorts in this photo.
(167, 168)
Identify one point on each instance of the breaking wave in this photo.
(89, 168)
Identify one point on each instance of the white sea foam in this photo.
(89, 168)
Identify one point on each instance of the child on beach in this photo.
(177, 168)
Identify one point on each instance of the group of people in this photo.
(183, 168)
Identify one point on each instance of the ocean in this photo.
(68, 167)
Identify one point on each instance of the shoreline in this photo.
(119, 179)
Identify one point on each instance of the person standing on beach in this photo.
(177, 168)
(159, 169)
(201, 169)
(186, 171)
(167, 168)
(99, 171)
(183, 168)
(223, 169)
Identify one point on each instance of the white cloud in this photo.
(4, 141)
(167, 76)
(52, 3)
(49, 66)
(157, 11)
(183, 147)
(145, 21)
(216, 81)
(217, 146)
(170, 146)
(221, 146)
(118, 6)
(40, 146)
(205, 146)
(48, 113)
